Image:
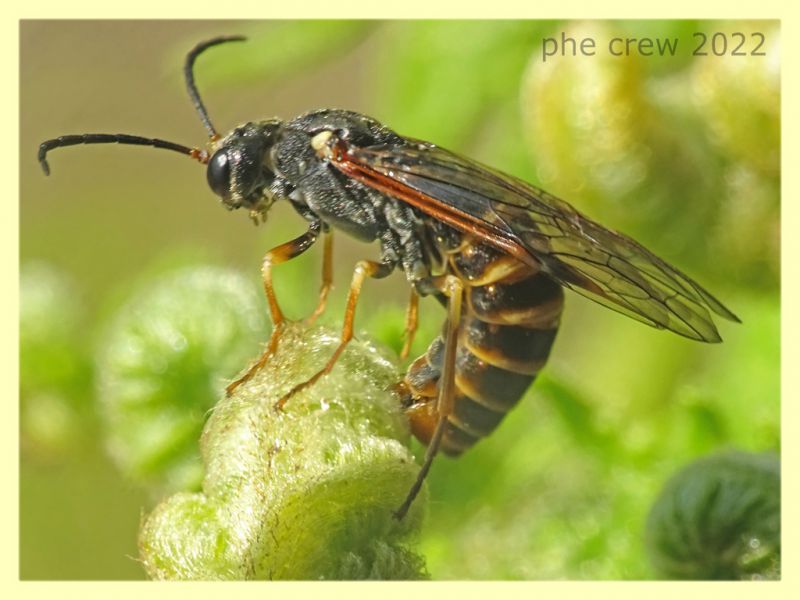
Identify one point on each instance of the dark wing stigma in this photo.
(605, 266)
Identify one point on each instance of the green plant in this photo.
(303, 492)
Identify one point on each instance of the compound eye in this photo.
(219, 173)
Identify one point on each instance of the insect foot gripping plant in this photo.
(304, 492)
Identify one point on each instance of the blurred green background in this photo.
(681, 152)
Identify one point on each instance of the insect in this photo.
(494, 250)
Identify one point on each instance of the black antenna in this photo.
(136, 140)
(114, 138)
(188, 74)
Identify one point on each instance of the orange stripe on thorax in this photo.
(450, 215)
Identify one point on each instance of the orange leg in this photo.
(364, 269)
(276, 256)
(412, 321)
(454, 290)
(327, 278)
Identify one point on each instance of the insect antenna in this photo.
(188, 73)
(137, 140)
(114, 138)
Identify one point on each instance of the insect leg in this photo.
(412, 320)
(327, 277)
(276, 256)
(364, 269)
(454, 290)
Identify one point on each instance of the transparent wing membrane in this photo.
(603, 265)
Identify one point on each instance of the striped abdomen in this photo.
(509, 320)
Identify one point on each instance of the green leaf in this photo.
(281, 49)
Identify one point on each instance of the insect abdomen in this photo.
(508, 325)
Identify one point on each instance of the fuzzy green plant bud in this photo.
(303, 492)
(163, 363)
(719, 518)
(740, 96)
(618, 135)
(586, 120)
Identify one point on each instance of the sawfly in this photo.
(496, 251)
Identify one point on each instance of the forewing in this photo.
(606, 266)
